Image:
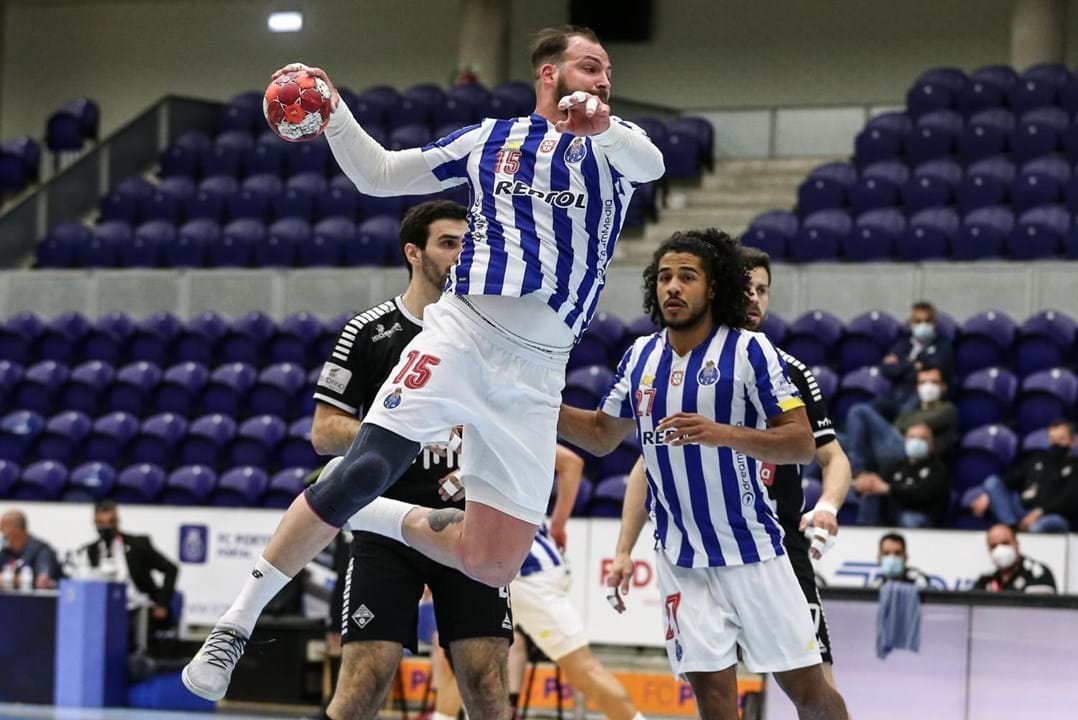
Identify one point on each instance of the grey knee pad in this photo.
(374, 462)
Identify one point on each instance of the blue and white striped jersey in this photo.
(546, 209)
(709, 504)
(543, 555)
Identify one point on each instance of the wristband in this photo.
(824, 506)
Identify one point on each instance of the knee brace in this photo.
(374, 462)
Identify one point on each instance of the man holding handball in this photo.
(549, 194)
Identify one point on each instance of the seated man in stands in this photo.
(894, 565)
(875, 445)
(1039, 495)
(1014, 572)
(124, 557)
(916, 495)
(923, 347)
(21, 549)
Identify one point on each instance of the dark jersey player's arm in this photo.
(339, 395)
(834, 465)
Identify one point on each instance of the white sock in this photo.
(441, 716)
(382, 516)
(264, 582)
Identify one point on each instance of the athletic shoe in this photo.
(209, 672)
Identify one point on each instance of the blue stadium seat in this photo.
(283, 239)
(986, 398)
(936, 136)
(984, 233)
(19, 432)
(986, 88)
(132, 388)
(813, 337)
(866, 339)
(40, 481)
(247, 338)
(342, 199)
(198, 341)
(883, 138)
(878, 186)
(1040, 232)
(585, 386)
(311, 157)
(257, 198)
(1043, 397)
(986, 134)
(184, 156)
(277, 390)
(284, 487)
(933, 184)
(108, 338)
(89, 482)
(266, 156)
(875, 235)
(256, 441)
(374, 242)
(988, 450)
(1040, 182)
(330, 238)
(296, 450)
(1040, 132)
(935, 89)
(240, 487)
(608, 497)
(110, 437)
(18, 336)
(63, 437)
(859, 386)
(60, 247)
(1038, 87)
(774, 327)
(10, 376)
(157, 439)
(821, 236)
(61, 337)
(226, 392)
(985, 341)
(300, 194)
(987, 183)
(207, 441)
(140, 483)
(295, 340)
(40, 387)
(180, 389)
(825, 188)
(236, 247)
(1045, 340)
(153, 338)
(929, 234)
(189, 485)
(213, 196)
(86, 386)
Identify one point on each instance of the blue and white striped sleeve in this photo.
(769, 385)
(630, 151)
(447, 157)
(618, 399)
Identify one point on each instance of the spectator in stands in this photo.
(875, 445)
(916, 495)
(1014, 572)
(125, 557)
(909, 355)
(21, 549)
(1041, 494)
(894, 563)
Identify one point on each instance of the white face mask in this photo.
(1004, 556)
(929, 392)
(923, 332)
(892, 566)
(916, 448)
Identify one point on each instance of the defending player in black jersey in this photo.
(785, 487)
(381, 596)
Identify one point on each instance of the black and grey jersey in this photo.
(365, 353)
(785, 488)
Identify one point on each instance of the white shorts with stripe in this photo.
(460, 370)
(710, 612)
(542, 608)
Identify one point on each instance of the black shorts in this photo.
(384, 583)
(797, 547)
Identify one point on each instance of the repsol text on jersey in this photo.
(557, 198)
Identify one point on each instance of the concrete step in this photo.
(729, 219)
(734, 197)
(772, 166)
(718, 181)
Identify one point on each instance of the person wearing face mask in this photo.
(877, 448)
(1039, 495)
(894, 564)
(916, 495)
(123, 557)
(923, 347)
(1014, 572)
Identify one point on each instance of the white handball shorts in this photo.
(461, 370)
(542, 608)
(709, 612)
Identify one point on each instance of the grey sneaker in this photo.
(209, 672)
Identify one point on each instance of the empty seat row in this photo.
(145, 483)
(993, 86)
(162, 339)
(166, 439)
(142, 388)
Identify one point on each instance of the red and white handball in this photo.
(297, 106)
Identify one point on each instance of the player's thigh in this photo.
(436, 385)
(777, 632)
(466, 609)
(494, 542)
(384, 583)
(700, 626)
(542, 608)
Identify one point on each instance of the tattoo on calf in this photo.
(439, 520)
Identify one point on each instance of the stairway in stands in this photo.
(728, 198)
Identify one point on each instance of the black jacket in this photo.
(1049, 481)
(922, 487)
(938, 354)
(142, 557)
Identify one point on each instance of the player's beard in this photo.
(434, 275)
(688, 323)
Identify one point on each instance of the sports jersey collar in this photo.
(702, 344)
(404, 311)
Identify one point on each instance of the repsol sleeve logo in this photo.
(557, 198)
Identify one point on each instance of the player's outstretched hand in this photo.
(617, 582)
(585, 114)
(319, 73)
(691, 429)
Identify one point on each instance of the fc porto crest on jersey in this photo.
(577, 150)
(392, 400)
(547, 146)
(709, 374)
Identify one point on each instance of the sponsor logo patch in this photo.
(362, 616)
(335, 377)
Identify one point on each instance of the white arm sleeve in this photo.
(631, 151)
(375, 170)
